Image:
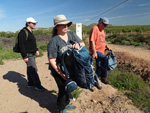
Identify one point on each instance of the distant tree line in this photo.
(86, 29)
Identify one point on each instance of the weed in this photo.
(54, 91)
(76, 93)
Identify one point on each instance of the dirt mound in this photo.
(107, 99)
(139, 66)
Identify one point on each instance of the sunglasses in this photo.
(32, 23)
(105, 25)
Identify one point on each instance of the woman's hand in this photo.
(76, 46)
(64, 76)
(54, 65)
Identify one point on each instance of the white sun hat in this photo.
(61, 20)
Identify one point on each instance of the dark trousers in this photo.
(32, 75)
(63, 97)
(101, 65)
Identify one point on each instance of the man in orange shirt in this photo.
(97, 48)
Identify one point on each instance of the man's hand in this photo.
(37, 53)
(26, 60)
(94, 55)
(108, 48)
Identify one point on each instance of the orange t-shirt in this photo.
(98, 37)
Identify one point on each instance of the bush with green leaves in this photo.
(129, 39)
(127, 28)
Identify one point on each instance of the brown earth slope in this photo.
(15, 97)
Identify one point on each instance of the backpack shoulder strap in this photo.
(26, 33)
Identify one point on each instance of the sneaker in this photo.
(105, 80)
(70, 107)
(63, 111)
(41, 88)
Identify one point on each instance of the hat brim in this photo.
(68, 23)
(106, 23)
(32, 22)
(35, 22)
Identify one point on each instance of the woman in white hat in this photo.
(59, 43)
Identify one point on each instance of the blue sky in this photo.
(13, 13)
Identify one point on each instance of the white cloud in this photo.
(142, 5)
(123, 16)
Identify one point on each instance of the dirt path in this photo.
(135, 58)
(138, 52)
(15, 97)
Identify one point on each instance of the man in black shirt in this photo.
(28, 49)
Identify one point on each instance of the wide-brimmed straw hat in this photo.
(61, 20)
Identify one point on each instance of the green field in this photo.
(86, 29)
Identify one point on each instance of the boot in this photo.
(105, 80)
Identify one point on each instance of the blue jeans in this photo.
(101, 65)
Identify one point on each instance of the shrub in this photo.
(123, 42)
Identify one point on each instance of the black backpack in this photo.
(16, 45)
